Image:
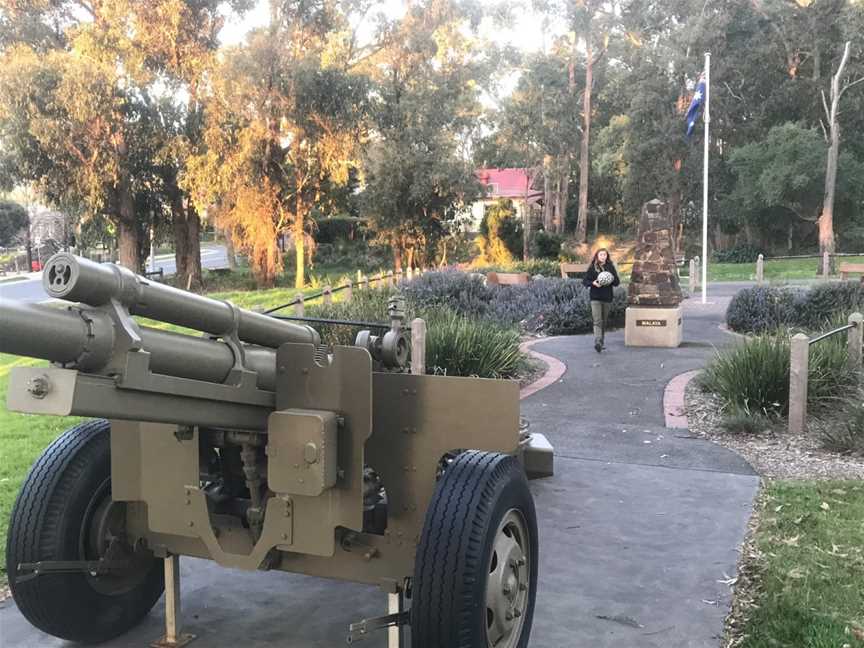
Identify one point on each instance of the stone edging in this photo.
(554, 367)
(673, 400)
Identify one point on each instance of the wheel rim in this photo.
(508, 582)
(104, 523)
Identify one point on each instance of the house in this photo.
(517, 185)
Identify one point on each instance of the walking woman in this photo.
(601, 278)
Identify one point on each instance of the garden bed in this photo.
(773, 453)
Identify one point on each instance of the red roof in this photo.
(506, 183)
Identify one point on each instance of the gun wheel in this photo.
(475, 577)
(64, 512)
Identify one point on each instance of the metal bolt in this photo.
(509, 616)
(284, 536)
(517, 613)
(520, 562)
(39, 386)
(506, 590)
(191, 523)
(522, 587)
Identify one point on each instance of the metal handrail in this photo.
(834, 332)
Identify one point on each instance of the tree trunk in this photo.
(563, 196)
(229, 249)
(193, 250)
(548, 194)
(128, 244)
(28, 242)
(582, 222)
(826, 219)
(299, 244)
(181, 239)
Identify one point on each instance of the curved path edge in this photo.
(554, 367)
(674, 407)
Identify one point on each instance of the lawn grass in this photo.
(810, 567)
(775, 270)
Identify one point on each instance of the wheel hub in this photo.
(508, 582)
(103, 536)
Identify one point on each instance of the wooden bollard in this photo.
(418, 347)
(855, 340)
(698, 271)
(327, 295)
(299, 309)
(349, 290)
(760, 269)
(391, 280)
(410, 274)
(364, 283)
(826, 264)
(798, 373)
(359, 277)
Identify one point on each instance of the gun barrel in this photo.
(76, 279)
(86, 340)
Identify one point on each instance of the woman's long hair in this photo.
(595, 262)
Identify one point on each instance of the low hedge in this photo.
(554, 306)
(767, 308)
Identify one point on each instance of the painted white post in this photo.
(760, 269)
(855, 340)
(328, 295)
(418, 347)
(692, 276)
(410, 274)
(798, 373)
(707, 118)
(299, 310)
(359, 277)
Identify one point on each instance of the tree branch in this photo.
(850, 85)
(739, 98)
(825, 106)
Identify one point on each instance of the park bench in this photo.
(851, 268)
(507, 278)
(573, 268)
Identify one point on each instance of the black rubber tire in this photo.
(448, 608)
(46, 524)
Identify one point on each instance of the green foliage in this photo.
(747, 424)
(744, 253)
(500, 239)
(761, 309)
(13, 219)
(544, 267)
(753, 377)
(456, 344)
(461, 346)
(843, 430)
(766, 308)
(547, 245)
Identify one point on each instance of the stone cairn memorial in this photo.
(654, 296)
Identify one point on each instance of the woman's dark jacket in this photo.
(603, 294)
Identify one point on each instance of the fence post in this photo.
(359, 277)
(692, 276)
(856, 337)
(798, 370)
(418, 347)
(328, 295)
(760, 269)
(299, 310)
(826, 264)
(364, 283)
(698, 271)
(391, 280)
(349, 290)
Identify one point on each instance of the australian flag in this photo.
(696, 105)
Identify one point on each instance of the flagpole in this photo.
(707, 118)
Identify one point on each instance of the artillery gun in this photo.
(253, 445)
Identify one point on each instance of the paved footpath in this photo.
(639, 527)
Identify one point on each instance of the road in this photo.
(30, 289)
